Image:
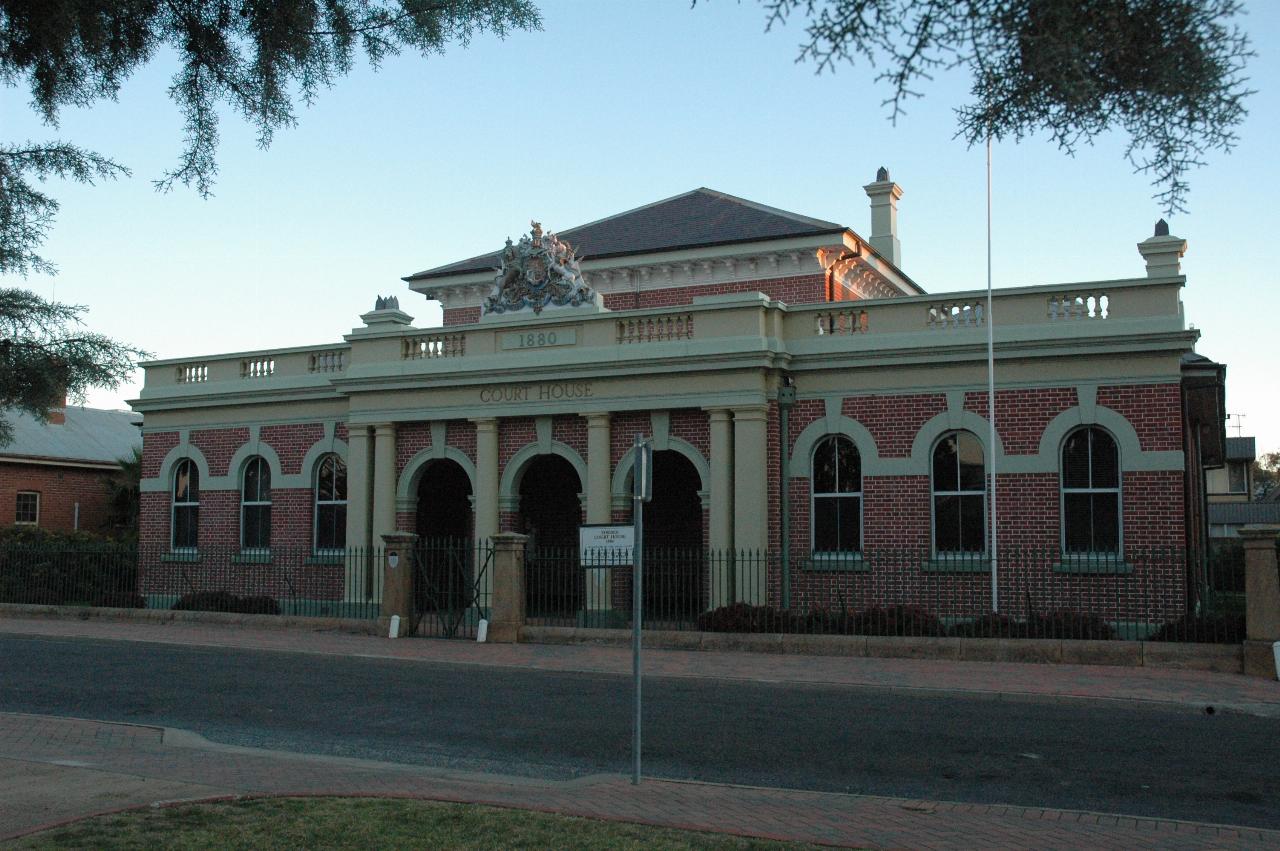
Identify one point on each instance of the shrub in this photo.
(991, 626)
(120, 600)
(225, 601)
(743, 617)
(1221, 629)
(897, 620)
(1065, 623)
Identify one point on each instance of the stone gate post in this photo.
(507, 603)
(397, 581)
(1262, 599)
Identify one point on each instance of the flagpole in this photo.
(991, 399)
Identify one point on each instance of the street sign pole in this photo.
(641, 492)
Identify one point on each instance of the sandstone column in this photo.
(751, 501)
(384, 488)
(720, 533)
(599, 580)
(507, 602)
(1262, 600)
(397, 581)
(358, 579)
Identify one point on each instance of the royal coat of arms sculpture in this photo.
(538, 272)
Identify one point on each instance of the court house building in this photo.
(807, 400)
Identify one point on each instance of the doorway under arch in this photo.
(674, 556)
(550, 514)
(444, 580)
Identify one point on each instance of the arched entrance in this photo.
(444, 581)
(550, 514)
(674, 557)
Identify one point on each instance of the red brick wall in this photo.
(461, 315)
(894, 421)
(1155, 410)
(60, 488)
(291, 444)
(1022, 415)
(798, 289)
(155, 446)
(218, 445)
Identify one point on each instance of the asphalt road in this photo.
(1105, 756)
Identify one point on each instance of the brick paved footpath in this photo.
(52, 769)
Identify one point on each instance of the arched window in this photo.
(1090, 492)
(837, 496)
(331, 504)
(959, 495)
(184, 520)
(255, 505)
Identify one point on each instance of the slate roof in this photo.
(89, 434)
(700, 218)
(1241, 449)
(1240, 513)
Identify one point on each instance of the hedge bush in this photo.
(1220, 629)
(225, 601)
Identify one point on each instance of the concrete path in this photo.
(53, 769)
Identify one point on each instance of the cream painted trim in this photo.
(622, 492)
(329, 445)
(801, 464)
(509, 484)
(248, 450)
(407, 485)
(1132, 456)
(181, 452)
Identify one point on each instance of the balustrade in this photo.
(433, 346)
(653, 329)
(1073, 306)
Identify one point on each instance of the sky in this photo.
(614, 105)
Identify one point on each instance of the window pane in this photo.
(185, 523)
(973, 524)
(849, 469)
(1075, 460)
(946, 523)
(850, 523)
(945, 476)
(324, 480)
(331, 527)
(339, 478)
(251, 486)
(1077, 522)
(1106, 460)
(257, 526)
(826, 525)
(971, 469)
(824, 466)
(1106, 522)
(1238, 482)
(182, 482)
(28, 508)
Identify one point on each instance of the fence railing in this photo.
(298, 581)
(1144, 594)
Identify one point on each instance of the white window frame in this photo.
(814, 496)
(257, 503)
(16, 509)
(957, 555)
(174, 506)
(316, 502)
(1063, 490)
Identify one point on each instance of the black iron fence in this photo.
(452, 587)
(277, 581)
(1145, 594)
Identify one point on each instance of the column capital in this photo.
(384, 428)
(718, 414)
(1259, 534)
(485, 423)
(750, 412)
(598, 419)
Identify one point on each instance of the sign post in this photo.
(641, 492)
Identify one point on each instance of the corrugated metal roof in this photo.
(1241, 449)
(698, 218)
(1241, 513)
(89, 434)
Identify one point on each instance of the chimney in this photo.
(884, 195)
(58, 413)
(1162, 252)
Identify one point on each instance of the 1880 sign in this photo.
(556, 391)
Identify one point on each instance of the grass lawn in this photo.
(367, 823)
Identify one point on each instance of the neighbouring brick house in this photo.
(54, 475)
(806, 399)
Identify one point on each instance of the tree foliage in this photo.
(44, 353)
(1266, 475)
(257, 57)
(1168, 73)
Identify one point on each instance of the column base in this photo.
(1259, 659)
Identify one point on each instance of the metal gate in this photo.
(451, 587)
